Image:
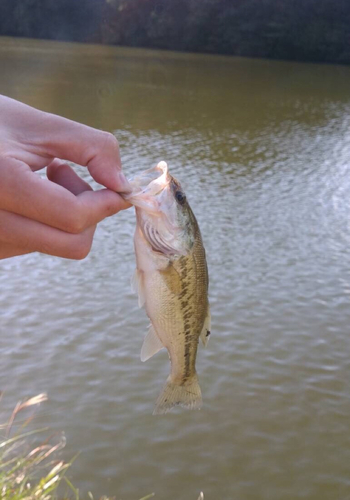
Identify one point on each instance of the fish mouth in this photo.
(156, 209)
(147, 185)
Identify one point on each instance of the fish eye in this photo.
(180, 197)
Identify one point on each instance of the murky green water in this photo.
(263, 149)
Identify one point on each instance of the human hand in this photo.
(57, 215)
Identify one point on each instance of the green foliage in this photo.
(31, 471)
(309, 30)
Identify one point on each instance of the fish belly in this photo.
(176, 303)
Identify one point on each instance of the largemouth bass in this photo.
(172, 281)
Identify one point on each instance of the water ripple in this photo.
(266, 170)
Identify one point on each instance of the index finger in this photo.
(43, 136)
(95, 149)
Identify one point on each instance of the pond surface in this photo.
(263, 149)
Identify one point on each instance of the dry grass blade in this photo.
(45, 450)
(40, 398)
(40, 449)
(33, 474)
(51, 482)
(9, 441)
(28, 474)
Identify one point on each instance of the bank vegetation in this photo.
(304, 30)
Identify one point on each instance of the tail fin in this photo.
(188, 396)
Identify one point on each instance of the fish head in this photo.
(163, 213)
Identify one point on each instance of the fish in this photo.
(171, 280)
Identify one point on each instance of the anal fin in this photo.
(151, 345)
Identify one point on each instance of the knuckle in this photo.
(76, 222)
(74, 226)
(102, 142)
(110, 141)
(80, 249)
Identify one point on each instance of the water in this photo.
(263, 149)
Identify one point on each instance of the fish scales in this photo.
(172, 281)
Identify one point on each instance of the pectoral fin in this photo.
(172, 279)
(137, 285)
(151, 345)
(205, 333)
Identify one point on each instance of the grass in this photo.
(32, 471)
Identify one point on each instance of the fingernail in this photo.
(123, 184)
